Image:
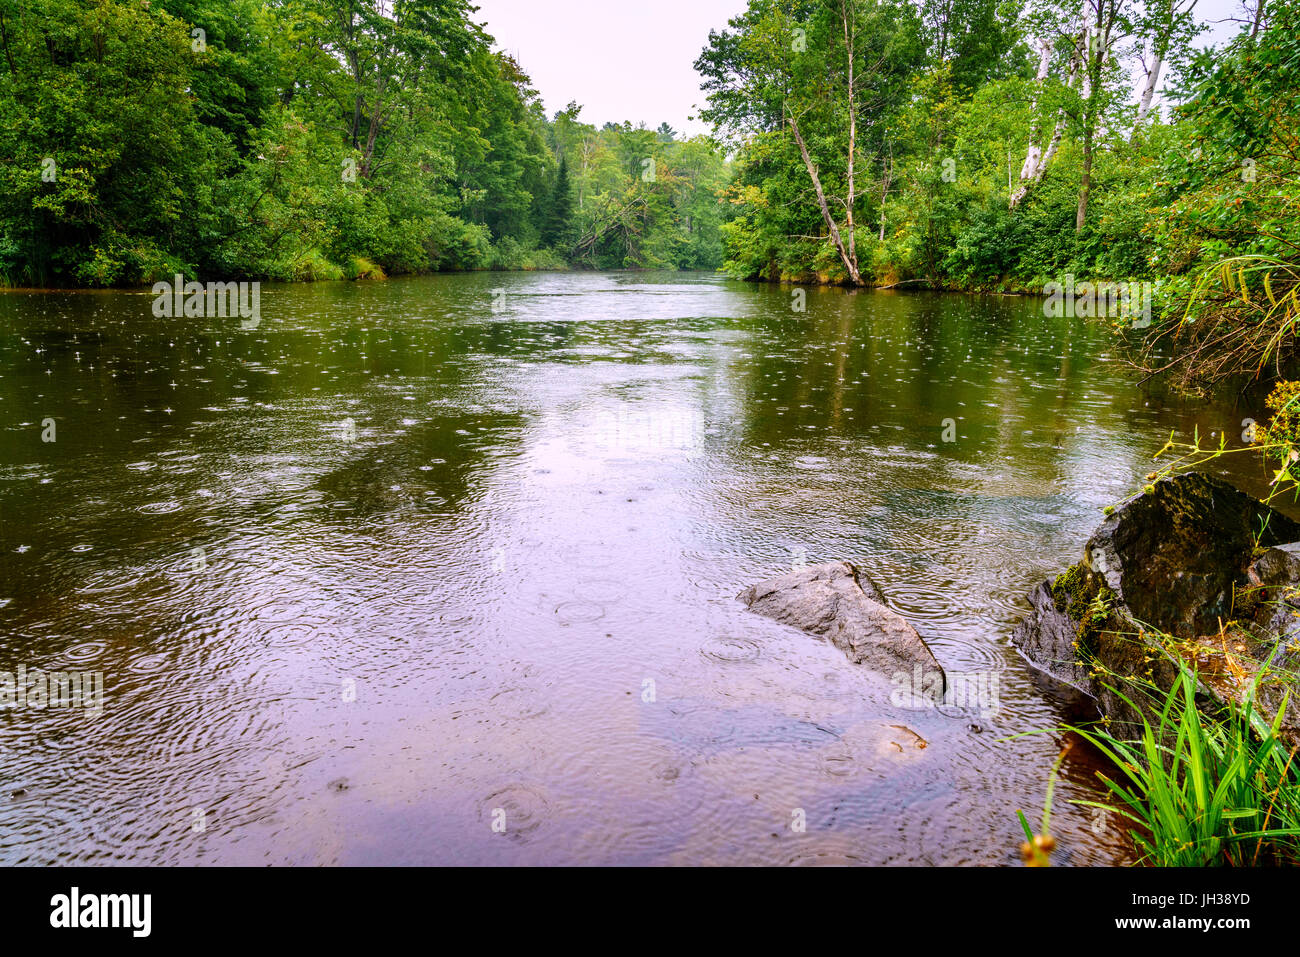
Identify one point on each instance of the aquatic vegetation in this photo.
(359, 267)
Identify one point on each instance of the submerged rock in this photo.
(1190, 571)
(839, 602)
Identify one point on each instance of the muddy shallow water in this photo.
(411, 559)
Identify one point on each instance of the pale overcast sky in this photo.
(632, 59)
(621, 59)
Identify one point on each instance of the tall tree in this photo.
(1165, 26)
(558, 228)
(1106, 23)
(830, 74)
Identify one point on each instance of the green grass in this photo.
(1203, 792)
(359, 267)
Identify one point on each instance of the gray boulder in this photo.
(1189, 572)
(838, 602)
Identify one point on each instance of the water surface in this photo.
(413, 556)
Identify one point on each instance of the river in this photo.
(411, 559)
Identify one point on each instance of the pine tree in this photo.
(557, 230)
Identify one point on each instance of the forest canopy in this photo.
(315, 139)
(977, 142)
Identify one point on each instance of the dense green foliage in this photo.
(307, 139)
(999, 144)
(1229, 235)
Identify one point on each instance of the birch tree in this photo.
(1106, 23)
(1166, 27)
(827, 74)
(1057, 30)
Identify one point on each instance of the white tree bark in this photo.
(849, 264)
(1151, 63)
(1168, 26)
(850, 34)
(1052, 146)
(1034, 154)
(1032, 173)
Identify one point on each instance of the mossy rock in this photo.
(1159, 582)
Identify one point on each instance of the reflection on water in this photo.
(413, 558)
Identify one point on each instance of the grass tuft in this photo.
(1202, 791)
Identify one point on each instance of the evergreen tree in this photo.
(558, 228)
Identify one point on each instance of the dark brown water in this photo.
(412, 557)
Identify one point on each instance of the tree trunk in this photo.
(849, 34)
(582, 180)
(1085, 186)
(884, 192)
(372, 133)
(1096, 45)
(1034, 154)
(1259, 15)
(1052, 147)
(831, 226)
(1149, 87)
(1032, 173)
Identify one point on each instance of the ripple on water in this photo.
(31, 823)
(731, 650)
(109, 584)
(75, 764)
(521, 809)
(960, 654)
(668, 771)
(601, 590)
(588, 555)
(380, 563)
(653, 782)
(292, 636)
(819, 851)
(837, 761)
(813, 463)
(579, 612)
(148, 664)
(84, 652)
(518, 704)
